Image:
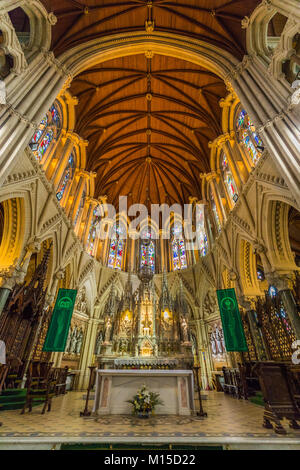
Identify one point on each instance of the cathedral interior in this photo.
(191, 106)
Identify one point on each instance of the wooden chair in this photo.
(3, 374)
(279, 395)
(14, 375)
(43, 389)
(232, 382)
(61, 377)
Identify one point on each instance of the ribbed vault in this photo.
(148, 121)
(215, 21)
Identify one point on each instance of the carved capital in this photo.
(244, 302)
(280, 281)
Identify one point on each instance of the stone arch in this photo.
(40, 22)
(13, 232)
(257, 31)
(37, 257)
(247, 268)
(103, 49)
(89, 287)
(277, 235)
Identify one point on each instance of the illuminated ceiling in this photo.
(149, 120)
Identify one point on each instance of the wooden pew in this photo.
(280, 394)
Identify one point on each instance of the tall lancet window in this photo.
(66, 177)
(201, 230)
(147, 253)
(229, 181)
(48, 130)
(80, 207)
(92, 237)
(215, 212)
(178, 248)
(248, 137)
(117, 245)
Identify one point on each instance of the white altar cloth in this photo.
(114, 387)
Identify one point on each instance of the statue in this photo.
(125, 326)
(73, 340)
(79, 339)
(213, 343)
(218, 339)
(184, 330)
(81, 304)
(108, 331)
(98, 343)
(123, 346)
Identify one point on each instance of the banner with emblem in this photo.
(60, 321)
(233, 329)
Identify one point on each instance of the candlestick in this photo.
(201, 412)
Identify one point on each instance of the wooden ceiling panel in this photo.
(214, 21)
(148, 123)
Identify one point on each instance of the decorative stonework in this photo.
(11, 44)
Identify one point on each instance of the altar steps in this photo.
(14, 399)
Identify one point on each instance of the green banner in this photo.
(60, 321)
(231, 320)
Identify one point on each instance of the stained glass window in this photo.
(229, 181)
(46, 132)
(215, 212)
(201, 232)
(272, 291)
(90, 244)
(147, 254)
(67, 176)
(178, 248)
(116, 248)
(260, 274)
(248, 137)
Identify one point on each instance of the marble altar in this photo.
(114, 387)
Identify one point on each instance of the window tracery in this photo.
(248, 137)
(178, 248)
(48, 130)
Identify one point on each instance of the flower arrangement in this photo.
(144, 402)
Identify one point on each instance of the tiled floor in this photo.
(227, 417)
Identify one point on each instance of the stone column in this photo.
(261, 350)
(87, 353)
(84, 176)
(106, 243)
(8, 282)
(281, 282)
(92, 204)
(211, 179)
(29, 96)
(223, 142)
(274, 113)
(4, 293)
(63, 160)
(204, 354)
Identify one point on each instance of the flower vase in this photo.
(143, 414)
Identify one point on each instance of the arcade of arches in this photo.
(184, 102)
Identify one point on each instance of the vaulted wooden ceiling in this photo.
(149, 120)
(214, 21)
